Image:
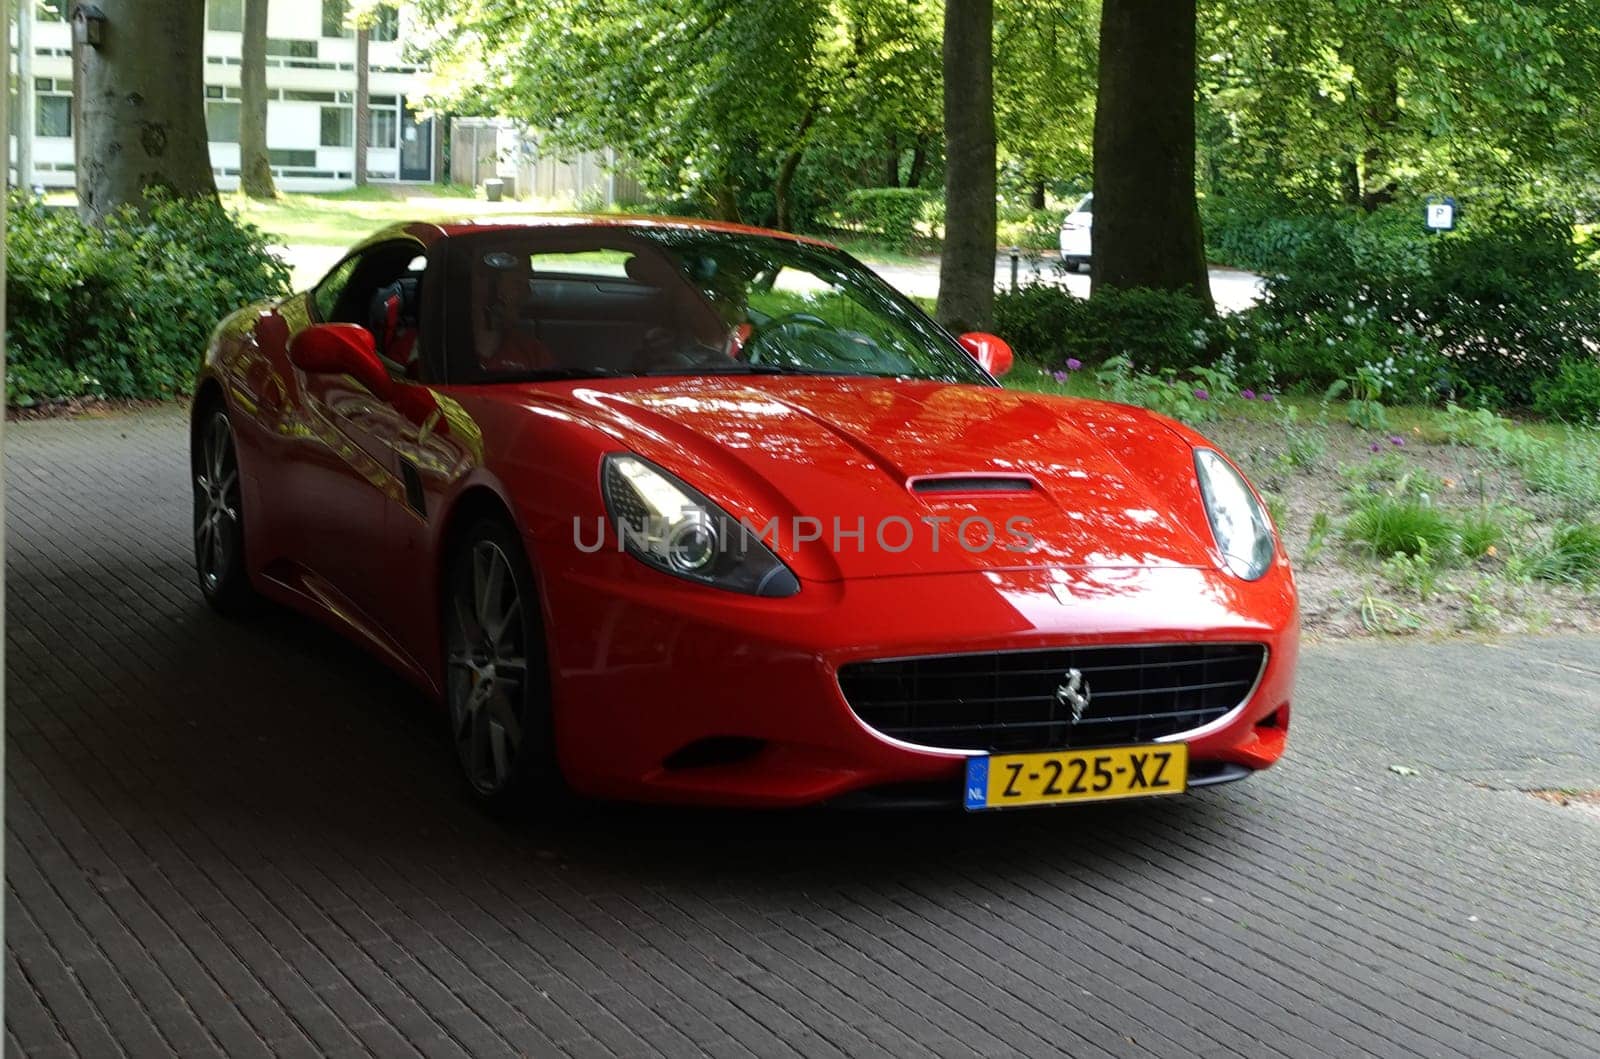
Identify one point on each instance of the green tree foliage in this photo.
(1349, 102)
(1045, 55)
(715, 101)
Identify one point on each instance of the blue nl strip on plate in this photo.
(977, 783)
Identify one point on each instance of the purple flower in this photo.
(1201, 395)
(1396, 439)
(1248, 395)
(1376, 447)
(1059, 376)
(1073, 363)
(1266, 397)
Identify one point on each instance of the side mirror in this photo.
(992, 352)
(340, 349)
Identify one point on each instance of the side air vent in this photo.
(416, 498)
(973, 483)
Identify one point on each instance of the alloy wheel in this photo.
(487, 666)
(216, 516)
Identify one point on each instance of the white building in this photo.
(311, 82)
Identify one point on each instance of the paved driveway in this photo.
(248, 840)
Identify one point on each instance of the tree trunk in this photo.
(1379, 90)
(891, 161)
(725, 199)
(966, 268)
(781, 187)
(363, 104)
(139, 107)
(791, 161)
(1146, 220)
(1036, 195)
(919, 163)
(255, 165)
(1350, 183)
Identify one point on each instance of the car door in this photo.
(434, 444)
(343, 474)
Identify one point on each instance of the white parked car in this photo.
(1075, 232)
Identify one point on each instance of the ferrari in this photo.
(687, 512)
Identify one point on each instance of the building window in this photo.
(300, 159)
(225, 16)
(385, 23)
(334, 16)
(384, 130)
(50, 11)
(294, 49)
(222, 121)
(52, 115)
(338, 127)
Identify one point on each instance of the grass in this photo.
(1571, 557)
(1481, 534)
(1391, 526)
(875, 252)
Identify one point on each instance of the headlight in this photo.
(671, 526)
(1238, 522)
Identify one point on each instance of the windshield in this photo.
(582, 302)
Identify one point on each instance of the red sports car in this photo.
(699, 513)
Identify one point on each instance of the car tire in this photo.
(219, 543)
(497, 686)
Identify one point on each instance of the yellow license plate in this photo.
(1097, 774)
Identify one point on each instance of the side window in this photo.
(380, 289)
(326, 296)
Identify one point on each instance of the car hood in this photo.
(936, 477)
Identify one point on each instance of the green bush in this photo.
(1507, 306)
(1029, 229)
(125, 309)
(1572, 393)
(1155, 330)
(1478, 315)
(1275, 237)
(893, 214)
(1192, 397)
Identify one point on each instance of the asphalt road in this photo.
(247, 839)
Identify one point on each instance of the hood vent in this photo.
(959, 484)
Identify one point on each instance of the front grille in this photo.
(1008, 701)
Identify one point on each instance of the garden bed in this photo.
(1491, 570)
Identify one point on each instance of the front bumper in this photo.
(665, 691)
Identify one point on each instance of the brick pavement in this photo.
(249, 840)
